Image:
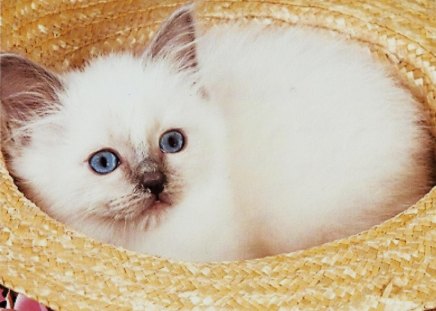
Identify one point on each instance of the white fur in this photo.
(304, 139)
(323, 143)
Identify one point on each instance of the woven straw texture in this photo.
(390, 267)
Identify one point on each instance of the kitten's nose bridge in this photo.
(153, 178)
(148, 165)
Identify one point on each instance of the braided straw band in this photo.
(392, 266)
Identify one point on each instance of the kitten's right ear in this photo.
(27, 90)
(175, 39)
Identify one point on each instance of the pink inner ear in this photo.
(24, 303)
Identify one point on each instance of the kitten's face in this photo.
(120, 108)
(126, 111)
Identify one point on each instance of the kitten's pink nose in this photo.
(154, 181)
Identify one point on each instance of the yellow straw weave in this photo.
(390, 267)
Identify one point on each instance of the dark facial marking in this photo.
(149, 176)
(154, 181)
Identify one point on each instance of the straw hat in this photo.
(392, 266)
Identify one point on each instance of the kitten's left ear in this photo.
(176, 39)
(26, 88)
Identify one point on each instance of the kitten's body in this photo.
(323, 144)
(294, 139)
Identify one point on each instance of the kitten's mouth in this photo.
(153, 210)
(137, 207)
(158, 202)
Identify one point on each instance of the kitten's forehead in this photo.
(118, 82)
(120, 94)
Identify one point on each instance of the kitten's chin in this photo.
(160, 205)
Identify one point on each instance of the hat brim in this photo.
(389, 266)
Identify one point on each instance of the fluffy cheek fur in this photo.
(56, 177)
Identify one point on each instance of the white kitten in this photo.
(241, 142)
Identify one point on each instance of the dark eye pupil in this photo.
(172, 141)
(103, 162)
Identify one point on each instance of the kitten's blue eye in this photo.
(172, 141)
(104, 162)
